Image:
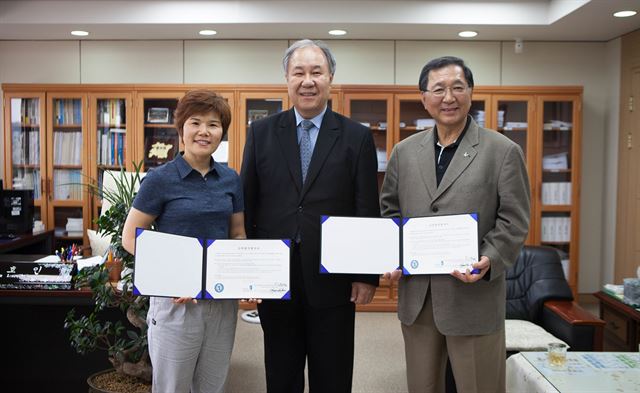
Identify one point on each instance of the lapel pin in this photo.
(466, 154)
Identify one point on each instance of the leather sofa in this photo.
(538, 292)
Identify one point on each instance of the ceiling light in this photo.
(624, 14)
(337, 32)
(208, 32)
(468, 34)
(80, 33)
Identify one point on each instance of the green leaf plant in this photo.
(126, 346)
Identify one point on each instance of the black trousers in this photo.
(295, 332)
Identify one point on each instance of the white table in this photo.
(585, 372)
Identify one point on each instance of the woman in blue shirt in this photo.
(190, 341)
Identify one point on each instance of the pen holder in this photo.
(114, 267)
(632, 291)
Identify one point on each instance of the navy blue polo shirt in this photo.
(189, 204)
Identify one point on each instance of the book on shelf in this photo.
(67, 148)
(67, 184)
(68, 111)
(556, 229)
(556, 193)
(112, 111)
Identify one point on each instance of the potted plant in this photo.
(126, 346)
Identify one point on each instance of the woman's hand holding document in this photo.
(420, 245)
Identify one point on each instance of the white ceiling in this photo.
(529, 20)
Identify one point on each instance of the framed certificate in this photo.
(181, 266)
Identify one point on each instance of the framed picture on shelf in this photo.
(257, 114)
(158, 115)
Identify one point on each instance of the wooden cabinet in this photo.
(622, 329)
(544, 121)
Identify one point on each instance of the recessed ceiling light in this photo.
(624, 14)
(468, 34)
(208, 32)
(337, 32)
(80, 33)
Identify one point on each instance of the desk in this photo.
(37, 354)
(39, 243)
(622, 331)
(586, 372)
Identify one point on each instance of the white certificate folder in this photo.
(420, 245)
(181, 266)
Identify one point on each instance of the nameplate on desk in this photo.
(36, 275)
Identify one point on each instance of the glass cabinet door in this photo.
(513, 118)
(374, 111)
(68, 201)
(159, 141)
(255, 106)
(111, 143)
(25, 163)
(412, 117)
(558, 180)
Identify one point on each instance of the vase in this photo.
(115, 269)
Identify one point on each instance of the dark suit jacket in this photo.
(341, 181)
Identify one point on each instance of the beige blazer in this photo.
(488, 176)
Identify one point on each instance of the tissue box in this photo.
(632, 291)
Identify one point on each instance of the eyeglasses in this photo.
(456, 90)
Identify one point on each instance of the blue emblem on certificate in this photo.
(414, 264)
(218, 287)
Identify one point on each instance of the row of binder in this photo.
(67, 111)
(112, 146)
(27, 179)
(556, 229)
(111, 112)
(67, 184)
(25, 111)
(556, 193)
(25, 147)
(67, 148)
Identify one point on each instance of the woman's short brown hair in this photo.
(199, 102)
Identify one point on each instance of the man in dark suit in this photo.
(298, 165)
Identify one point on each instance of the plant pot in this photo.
(115, 269)
(93, 388)
(99, 382)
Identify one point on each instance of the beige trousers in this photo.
(190, 344)
(478, 362)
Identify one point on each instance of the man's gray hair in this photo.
(305, 43)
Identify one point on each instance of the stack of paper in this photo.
(421, 124)
(557, 161)
(74, 226)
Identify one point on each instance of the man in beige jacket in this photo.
(458, 167)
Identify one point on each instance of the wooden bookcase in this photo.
(545, 121)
